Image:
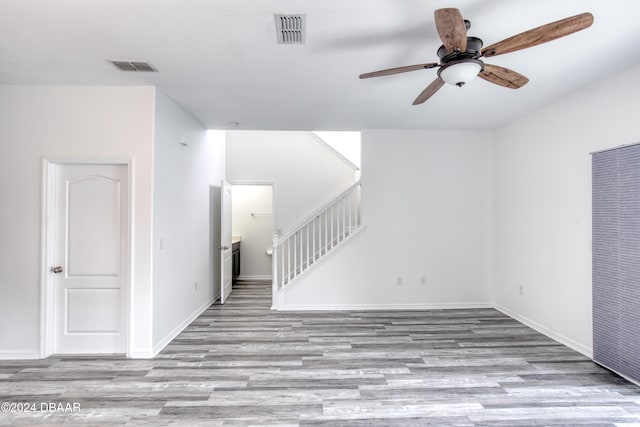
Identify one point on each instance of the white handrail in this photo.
(319, 211)
(313, 239)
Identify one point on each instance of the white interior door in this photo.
(226, 253)
(90, 267)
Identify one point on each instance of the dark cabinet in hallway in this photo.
(235, 254)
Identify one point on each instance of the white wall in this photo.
(427, 208)
(542, 191)
(256, 230)
(182, 233)
(66, 121)
(305, 172)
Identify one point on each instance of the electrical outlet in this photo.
(399, 281)
(521, 290)
(423, 280)
(196, 286)
(161, 244)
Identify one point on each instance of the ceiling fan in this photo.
(460, 55)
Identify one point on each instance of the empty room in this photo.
(320, 213)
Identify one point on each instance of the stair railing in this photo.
(313, 239)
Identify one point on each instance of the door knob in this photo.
(56, 269)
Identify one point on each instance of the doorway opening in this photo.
(252, 229)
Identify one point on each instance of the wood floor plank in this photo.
(242, 364)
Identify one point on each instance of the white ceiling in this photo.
(219, 58)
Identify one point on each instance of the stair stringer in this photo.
(281, 294)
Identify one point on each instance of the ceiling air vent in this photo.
(290, 29)
(133, 66)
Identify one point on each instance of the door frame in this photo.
(274, 222)
(47, 302)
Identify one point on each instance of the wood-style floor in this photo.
(241, 364)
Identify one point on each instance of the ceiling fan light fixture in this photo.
(459, 73)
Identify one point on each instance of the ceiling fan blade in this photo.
(503, 76)
(451, 29)
(539, 35)
(398, 70)
(429, 91)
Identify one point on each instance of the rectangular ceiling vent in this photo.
(133, 66)
(291, 29)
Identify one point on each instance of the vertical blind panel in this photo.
(606, 307)
(629, 177)
(616, 259)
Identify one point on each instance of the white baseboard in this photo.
(390, 307)
(571, 343)
(618, 373)
(174, 333)
(254, 277)
(19, 354)
(141, 354)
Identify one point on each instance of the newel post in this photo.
(274, 273)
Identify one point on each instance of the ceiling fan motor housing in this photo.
(474, 45)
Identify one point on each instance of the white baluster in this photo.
(332, 215)
(289, 260)
(326, 231)
(349, 205)
(338, 218)
(274, 272)
(315, 230)
(358, 193)
(343, 202)
(301, 259)
(338, 221)
(308, 257)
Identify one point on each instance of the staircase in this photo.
(298, 251)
